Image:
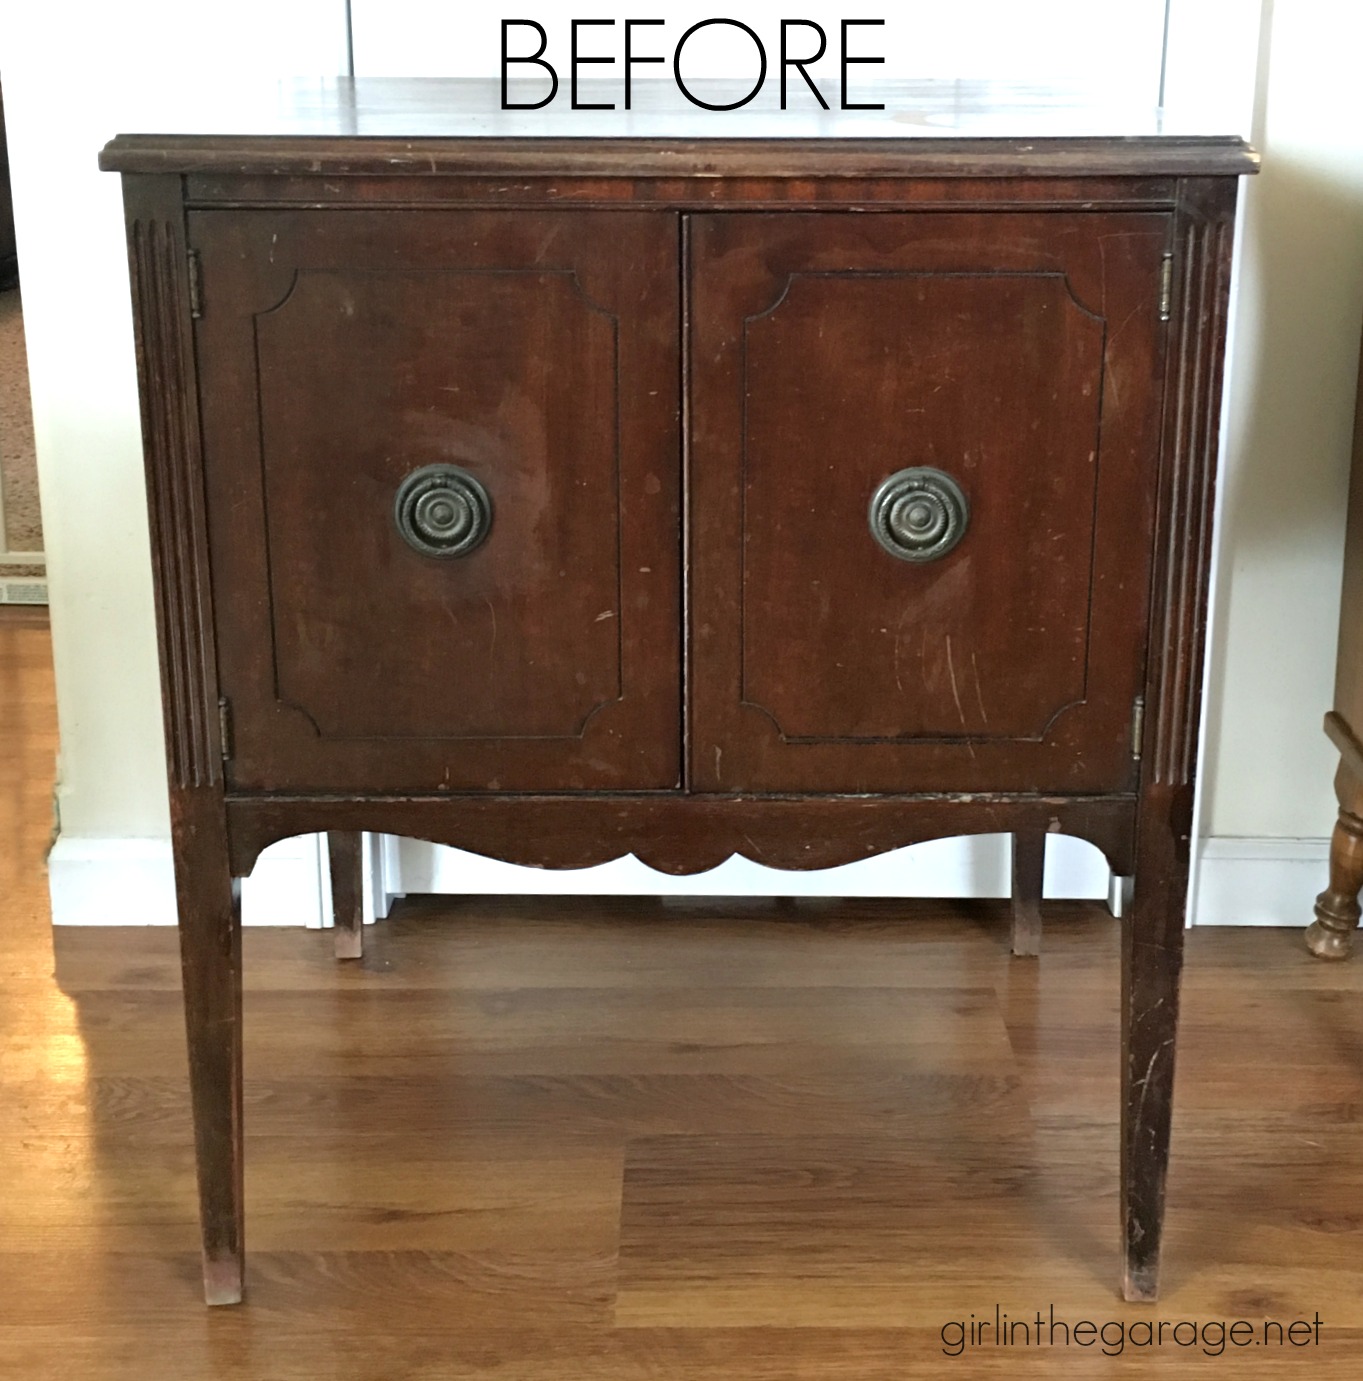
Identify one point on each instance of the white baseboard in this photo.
(977, 866)
(111, 882)
(290, 885)
(1259, 881)
(130, 881)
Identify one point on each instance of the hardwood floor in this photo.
(637, 1139)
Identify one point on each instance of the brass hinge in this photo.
(225, 726)
(1166, 287)
(1137, 726)
(196, 284)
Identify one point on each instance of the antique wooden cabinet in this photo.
(561, 498)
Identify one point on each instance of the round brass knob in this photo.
(919, 514)
(441, 510)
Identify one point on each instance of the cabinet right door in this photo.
(923, 456)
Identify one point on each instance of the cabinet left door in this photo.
(442, 466)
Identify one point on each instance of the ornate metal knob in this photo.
(919, 514)
(441, 510)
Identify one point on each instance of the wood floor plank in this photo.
(308, 1291)
(547, 1031)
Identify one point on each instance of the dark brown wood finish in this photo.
(345, 156)
(678, 834)
(758, 191)
(829, 353)
(347, 892)
(208, 895)
(1029, 871)
(341, 352)
(523, 308)
(1153, 929)
(1331, 934)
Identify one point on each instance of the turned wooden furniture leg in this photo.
(1152, 963)
(210, 952)
(1029, 865)
(1331, 934)
(347, 883)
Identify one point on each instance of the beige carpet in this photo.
(18, 469)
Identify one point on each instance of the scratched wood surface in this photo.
(643, 1139)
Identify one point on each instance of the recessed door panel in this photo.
(446, 447)
(923, 467)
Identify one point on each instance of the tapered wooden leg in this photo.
(1152, 965)
(1331, 934)
(1029, 866)
(347, 890)
(210, 952)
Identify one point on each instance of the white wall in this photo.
(1293, 373)
(74, 74)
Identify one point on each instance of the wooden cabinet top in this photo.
(340, 127)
